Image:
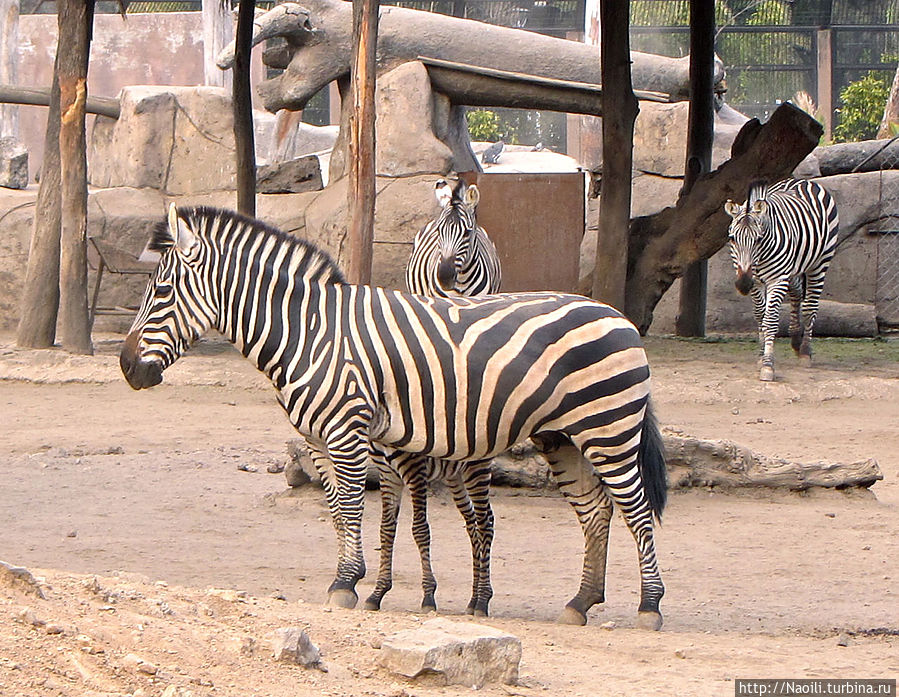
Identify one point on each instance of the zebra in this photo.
(782, 242)
(460, 379)
(451, 255)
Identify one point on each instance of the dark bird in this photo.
(491, 155)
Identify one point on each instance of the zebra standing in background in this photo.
(782, 242)
(460, 379)
(451, 255)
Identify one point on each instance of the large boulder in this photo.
(13, 164)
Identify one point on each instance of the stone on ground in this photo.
(454, 653)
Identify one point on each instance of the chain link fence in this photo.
(886, 296)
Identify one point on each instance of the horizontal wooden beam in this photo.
(40, 96)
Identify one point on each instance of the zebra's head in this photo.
(747, 228)
(176, 308)
(456, 226)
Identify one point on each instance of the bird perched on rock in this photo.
(491, 155)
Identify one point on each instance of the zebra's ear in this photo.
(732, 209)
(182, 236)
(444, 192)
(760, 207)
(472, 196)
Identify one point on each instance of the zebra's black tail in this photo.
(651, 462)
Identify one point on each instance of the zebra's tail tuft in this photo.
(651, 462)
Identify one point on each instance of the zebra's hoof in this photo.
(371, 605)
(342, 597)
(766, 374)
(480, 613)
(805, 360)
(573, 617)
(651, 621)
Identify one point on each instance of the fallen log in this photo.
(722, 463)
(864, 156)
(318, 36)
(837, 319)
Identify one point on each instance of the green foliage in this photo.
(862, 104)
(769, 13)
(486, 125)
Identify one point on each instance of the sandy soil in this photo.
(130, 507)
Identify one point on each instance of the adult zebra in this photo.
(455, 378)
(451, 255)
(782, 242)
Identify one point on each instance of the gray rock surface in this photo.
(453, 653)
(293, 645)
(13, 164)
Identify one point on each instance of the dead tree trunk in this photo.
(242, 104)
(40, 296)
(361, 189)
(76, 19)
(700, 134)
(662, 245)
(619, 114)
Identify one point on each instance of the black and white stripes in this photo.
(782, 242)
(455, 378)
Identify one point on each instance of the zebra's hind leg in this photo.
(474, 498)
(795, 292)
(582, 488)
(417, 482)
(391, 495)
(814, 284)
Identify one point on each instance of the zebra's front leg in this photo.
(583, 489)
(350, 461)
(774, 296)
(391, 495)
(466, 509)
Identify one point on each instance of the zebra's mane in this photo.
(208, 223)
(758, 190)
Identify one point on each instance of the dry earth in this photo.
(129, 507)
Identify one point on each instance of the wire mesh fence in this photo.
(886, 229)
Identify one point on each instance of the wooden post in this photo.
(9, 63)
(825, 79)
(76, 19)
(242, 103)
(218, 31)
(619, 107)
(361, 188)
(40, 296)
(690, 319)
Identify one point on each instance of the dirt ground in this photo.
(131, 509)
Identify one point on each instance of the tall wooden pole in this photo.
(619, 108)
(690, 319)
(9, 63)
(40, 296)
(76, 20)
(361, 189)
(242, 103)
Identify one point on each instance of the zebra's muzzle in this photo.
(744, 282)
(139, 373)
(446, 274)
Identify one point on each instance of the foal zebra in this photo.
(460, 379)
(782, 242)
(450, 255)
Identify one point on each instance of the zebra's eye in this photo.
(162, 289)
